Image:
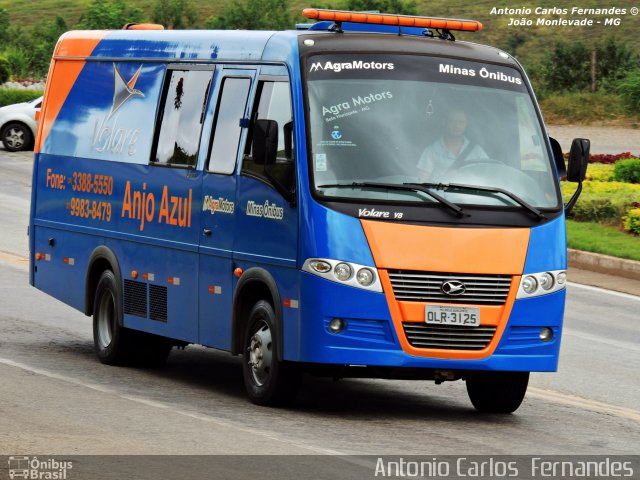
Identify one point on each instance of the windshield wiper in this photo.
(507, 193)
(414, 187)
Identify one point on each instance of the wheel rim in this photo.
(14, 138)
(260, 354)
(106, 318)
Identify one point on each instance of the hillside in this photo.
(528, 43)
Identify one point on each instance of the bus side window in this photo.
(181, 117)
(227, 124)
(273, 102)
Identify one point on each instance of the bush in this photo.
(632, 221)
(629, 89)
(4, 70)
(603, 202)
(627, 170)
(9, 96)
(600, 172)
(607, 158)
(595, 209)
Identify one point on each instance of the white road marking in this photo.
(605, 291)
(152, 403)
(584, 403)
(598, 339)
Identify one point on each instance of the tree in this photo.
(4, 25)
(175, 14)
(567, 66)
(613, 61)
(253, 15)
(105, 14)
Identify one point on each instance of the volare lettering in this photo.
(372, 213)
(107, 138)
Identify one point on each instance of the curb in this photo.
(596, 262)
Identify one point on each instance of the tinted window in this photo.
(274, 103)
(182, 117)
(230, 112)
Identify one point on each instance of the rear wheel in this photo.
(16, 137)
(116, 345)
(111, 341)
(497, 392)
(267, 380)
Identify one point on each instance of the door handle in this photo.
(207, 232)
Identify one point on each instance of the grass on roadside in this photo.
(593, 237)
(585, 108)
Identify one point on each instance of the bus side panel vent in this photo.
(158, 303)
(135, 298)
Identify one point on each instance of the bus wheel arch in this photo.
(101, 259)
(254, 285)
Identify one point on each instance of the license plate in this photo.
(460, 316)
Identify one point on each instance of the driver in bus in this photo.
(453, 148)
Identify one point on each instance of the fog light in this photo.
(365, 277)
(561, 278)
(343, 272)
(546, 281)
(546, 334)
(337, 325)
(529, 284)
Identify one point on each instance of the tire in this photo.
(16, 137)
(111, 341)
(116, 345)
(267, 380)
(497, 392)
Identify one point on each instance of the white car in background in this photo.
(18, 125)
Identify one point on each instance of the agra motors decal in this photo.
(354, 65)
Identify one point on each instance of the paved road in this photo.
(55, 398)
(603, 139)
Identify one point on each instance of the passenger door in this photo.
(267, 217)
(219, 205)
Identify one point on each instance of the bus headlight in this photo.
(536, 284)
(346, 273)
(343, 271)
(546, 281)
(529, 284)
(365, 277)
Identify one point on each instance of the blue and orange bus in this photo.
(362, 196)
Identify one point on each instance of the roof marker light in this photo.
(393, 20)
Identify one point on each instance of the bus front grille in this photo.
(423, 335)
(417, 286)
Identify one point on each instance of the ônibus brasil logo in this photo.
(354, 65)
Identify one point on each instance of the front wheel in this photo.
(267, 380)
(497, 392)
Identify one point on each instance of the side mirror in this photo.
(558, 157)
(265, 142)
(578, 161)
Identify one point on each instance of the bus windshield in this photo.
(399, 120)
